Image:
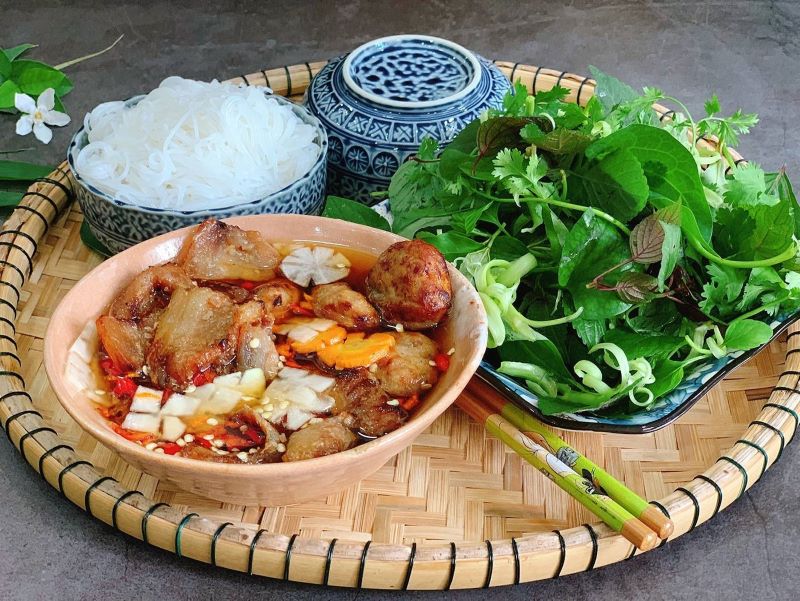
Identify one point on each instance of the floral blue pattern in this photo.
(369, 139)
(119, 225)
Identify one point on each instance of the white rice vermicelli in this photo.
(192, 145)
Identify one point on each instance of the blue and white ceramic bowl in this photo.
(118, 224)
(380, 101)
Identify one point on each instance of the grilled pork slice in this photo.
(218, 251)
(125, 342)
(149, 292)
(195, 333)
(279, 295)
(253, 330)
(359, 394)
(324, 437)
(345, 306)
(408, 370)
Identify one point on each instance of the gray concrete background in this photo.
(747, 52)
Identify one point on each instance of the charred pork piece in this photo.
(236, 293)
(253, 332)
(278, 296)
(324, 437)
(149, 291)
(196, 451)
(195, 333)
(408, 370)
(345, 306)
(127, 330)
(124, 341)
(218, 251)
(410, 285)
(359, 394)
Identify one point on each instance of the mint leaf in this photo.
(414, 185)
(451, 244)
(354, 212)
(671, 252)
(591, 247)
(610, 90)
(745, 334)
(590, 331)
(660, 346)
(558, 141)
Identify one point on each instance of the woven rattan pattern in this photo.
(456, 509)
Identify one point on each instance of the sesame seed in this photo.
(399, 327)
(191, 388)
(180, 442)
(315, 420)
(145, 370)
(212, 421)
(269, 407)
(217, 443)
(254, 343)
(242, 428)
(247, 398)
(208, 437)
(100, 392)
(432, 363)
(452, 350)
(341, 265)
(281, 358)
(188, 437)
(150, 446)
(281, 447)
(235, 450)
(393, 402)
(426, 386)
(252, 451)
(159, 450)
(284, 404)
(241, 456)
(221, 452)
(373, 368)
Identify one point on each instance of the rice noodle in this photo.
(192, 145)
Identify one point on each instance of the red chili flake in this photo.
(124, 388)
(170, 448)
(203, 377)
(247, 284)
(165, 395)
(442, 362)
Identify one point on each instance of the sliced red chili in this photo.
(203, 442)
(442, 362)
(165, 395)
(247, 284)
(124, 388)
(300, 310)
(203, 377)
(170, 448)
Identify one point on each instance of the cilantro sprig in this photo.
(613, 250)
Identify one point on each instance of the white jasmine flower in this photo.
(37, 115)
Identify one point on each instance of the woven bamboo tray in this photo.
(456, 510)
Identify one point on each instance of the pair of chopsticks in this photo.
(619, 507)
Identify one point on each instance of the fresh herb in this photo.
(613, 251)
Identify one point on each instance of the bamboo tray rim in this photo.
(335, 562)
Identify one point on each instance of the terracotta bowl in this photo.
(271, 484)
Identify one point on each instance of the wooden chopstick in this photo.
(521, 418)
(608, 510)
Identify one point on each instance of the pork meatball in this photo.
(410, 285)
(345, 306)
(321, 438)
(408, 370)
(278, 296)
(356, 392)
